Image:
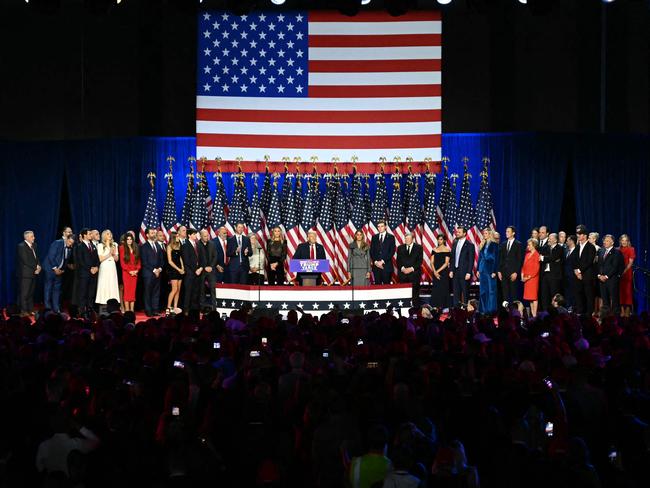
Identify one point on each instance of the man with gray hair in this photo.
(409, 263)
(610, 269)
(310, 250)
(28, 266)
(551, 264)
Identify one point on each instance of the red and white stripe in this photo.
(295, 236)
(442, 226)
(399, 232)
(474, 236)
(374, 91)
(345, 236)
(168, 232)
(328, 240)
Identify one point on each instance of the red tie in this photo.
(196, 251)
(313, 252)
(225, 256)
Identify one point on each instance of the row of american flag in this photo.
(298, 205)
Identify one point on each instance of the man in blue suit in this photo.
(54, 266)
(221, 245)
(238, 250)
(382, 249)
(151, 257)
(462, 263)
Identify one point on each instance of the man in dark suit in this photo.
(585, 273)
(238, 250)
(86, 268)
(510, 260)
(151, 257)
(28, 267)
(409, 263)
(551, 263)
(54, 266)
(310, 250)
(208, 258)
(382, 249)
(221, 249)
(462, 264)
(192, 284)
(570, 256)
(610, 268)
(542, 236)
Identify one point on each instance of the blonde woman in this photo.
(107, 286)
(488, 264)
(359, 260)
(175, 272)
(626, 293)
(276, 247)
(257, 262)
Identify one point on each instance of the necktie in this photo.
(509, 244)
(225, 256)
(196, 251)
(65, 252)
(458, 248)
(409, 248)
(312, 252)
(239, 246)
(606, 253)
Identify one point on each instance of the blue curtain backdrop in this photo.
(30, 192)
(108, 186)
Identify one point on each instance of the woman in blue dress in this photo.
(488, 264)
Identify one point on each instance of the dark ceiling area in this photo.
(74, 69)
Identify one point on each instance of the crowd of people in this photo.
(343, 400)
(189, 264)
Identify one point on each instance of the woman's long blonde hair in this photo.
(280, 234)
(103, 239)
(489, 239)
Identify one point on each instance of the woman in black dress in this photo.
(440, 258)
(276, 249)
(175, 272)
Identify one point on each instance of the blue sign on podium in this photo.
(309, 266)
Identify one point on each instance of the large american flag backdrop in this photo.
(302, 84)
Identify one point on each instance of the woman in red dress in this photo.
(130, 261)
(626, 278)
(529, 273)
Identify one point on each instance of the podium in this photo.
(309, 270)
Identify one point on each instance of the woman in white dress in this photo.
(108, 253)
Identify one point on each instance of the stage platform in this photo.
(315, 300)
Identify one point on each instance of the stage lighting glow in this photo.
(523, 1)
(608, 1)
(277, 2)
(365, 2)
(444, 2)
